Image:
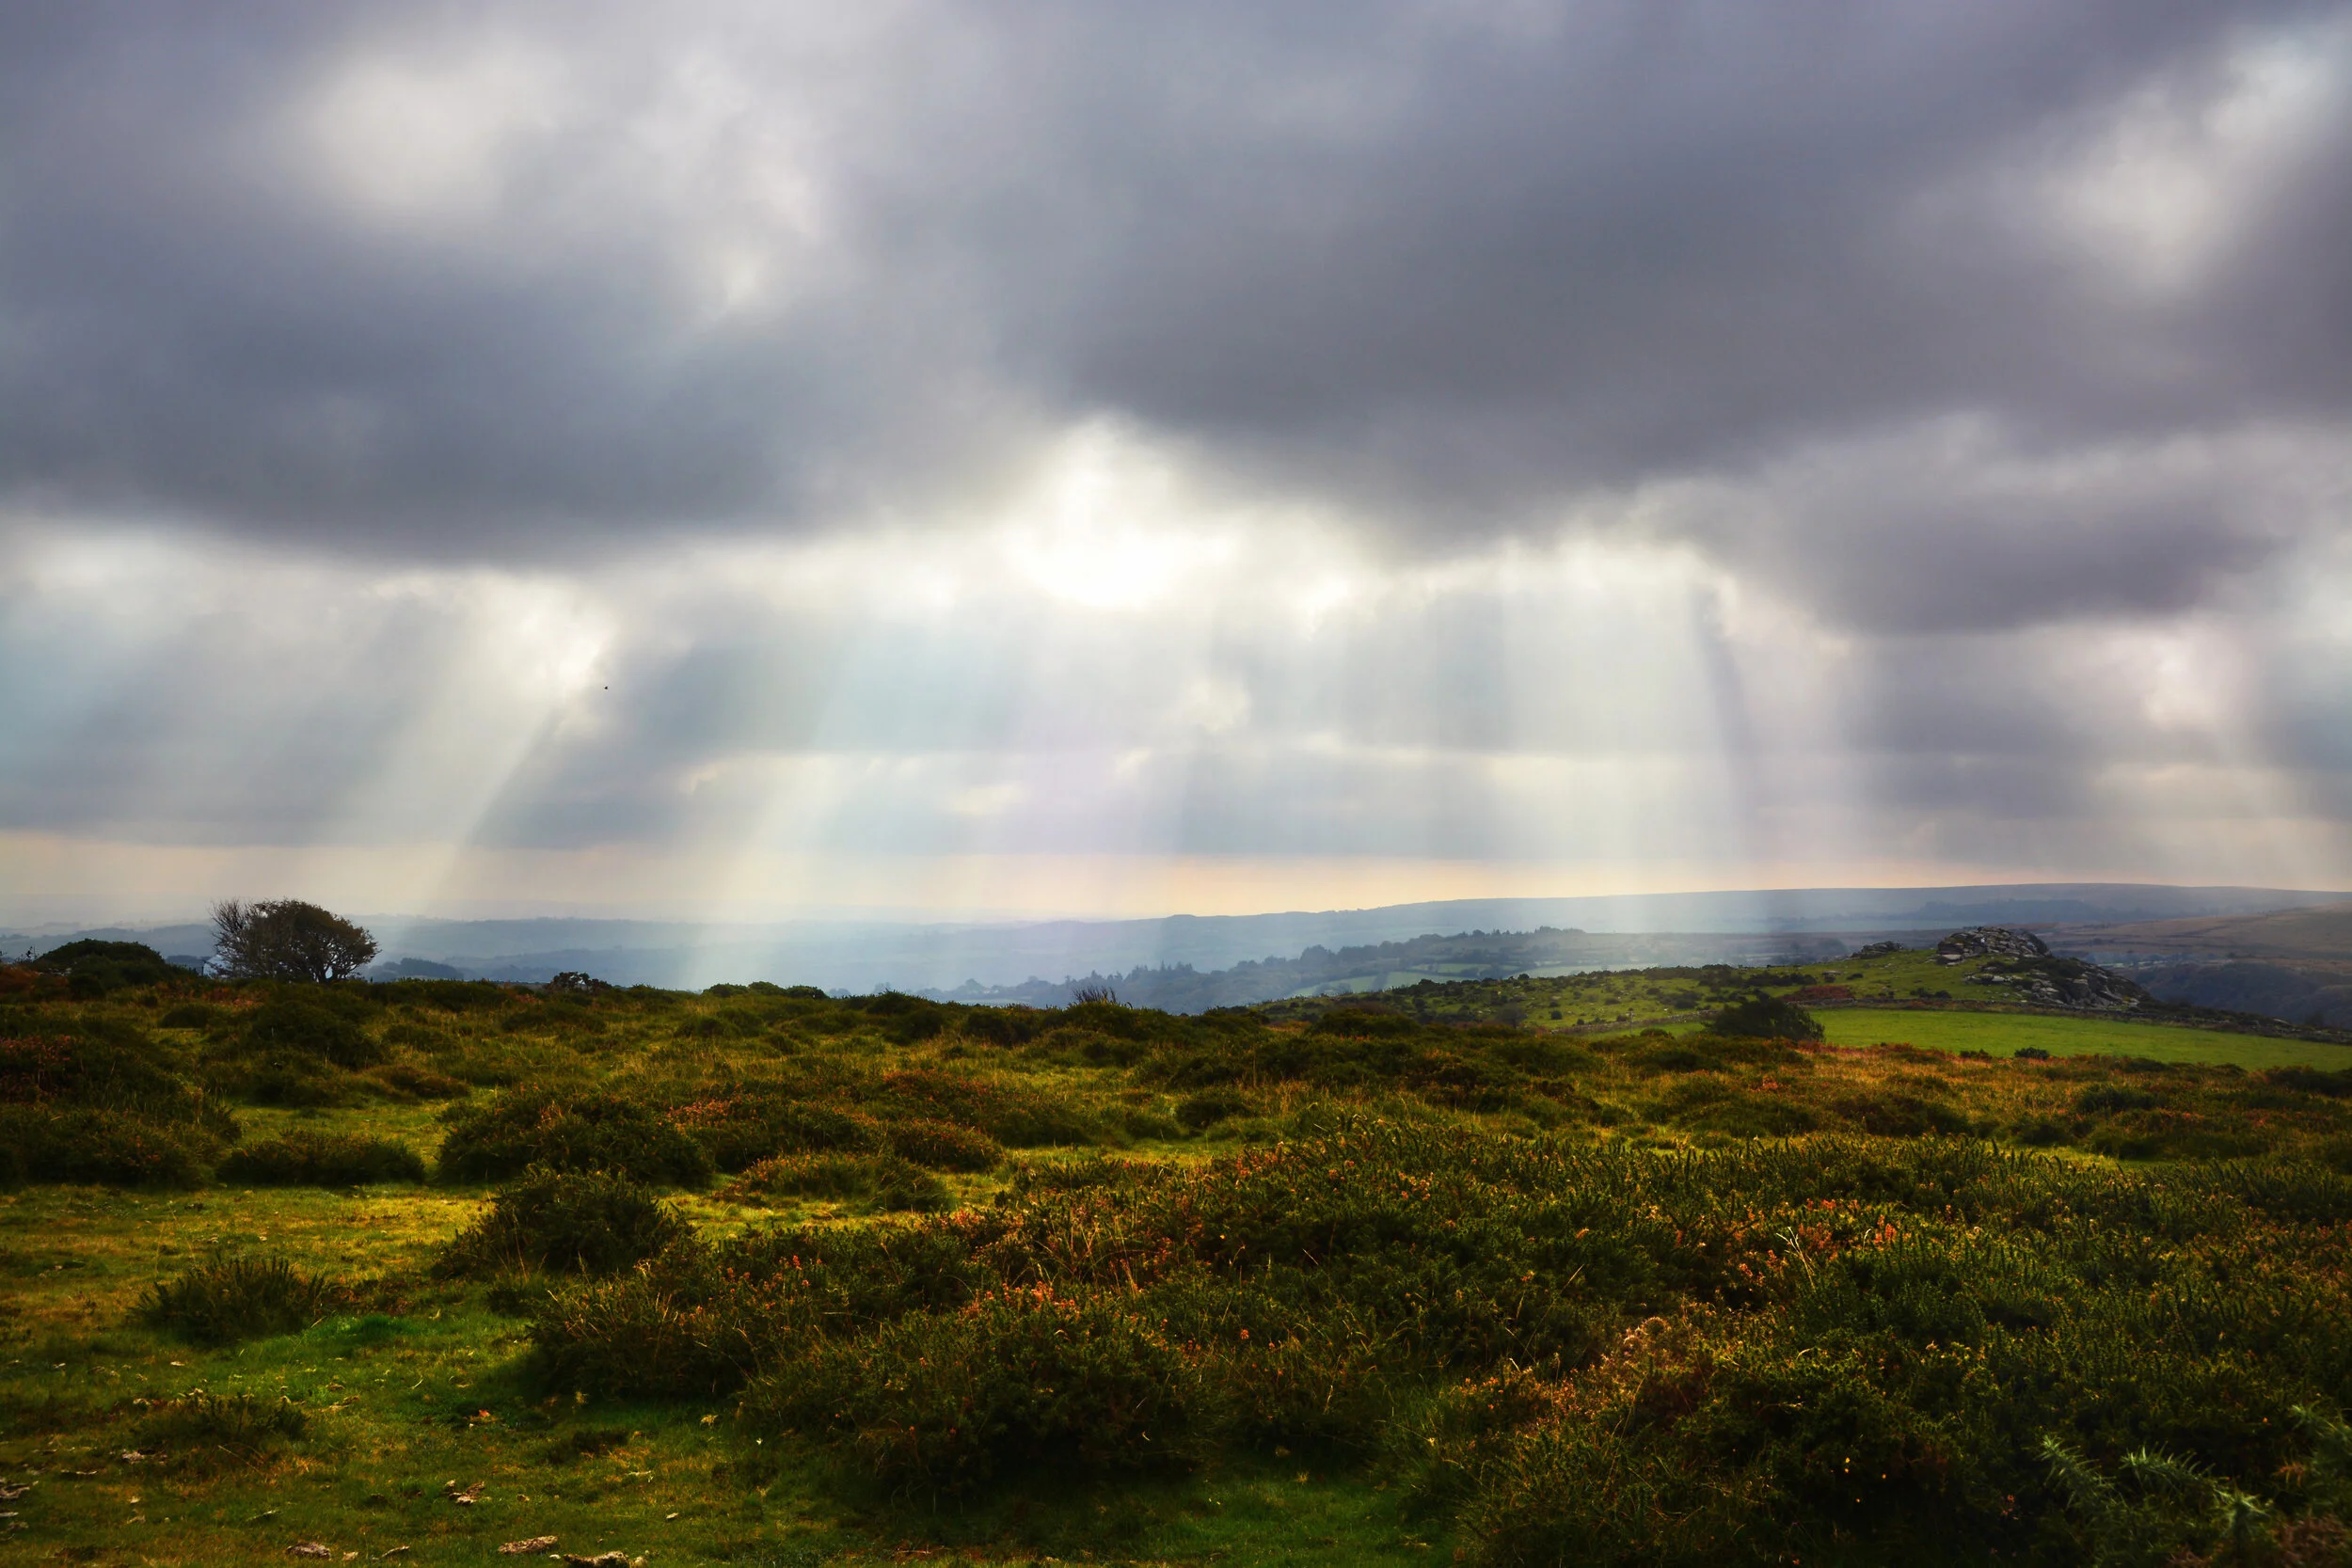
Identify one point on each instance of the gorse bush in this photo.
(1634, 1298)
(943, 1121)
(97, 967)
(890, 1183)
(281, 1078)
(1768, 1017)
(740, 1129)
(944, 1402)
(1014, 1115)
(944, 1146)
(103, 1148)
(311, 1025)
(1736, 1356)
(1199, 1110)
(100, 1102)
(236, 1298)
(574, 1221)
(406, 1081)
(521, 1130)
(322, 1160)
(98, 1063)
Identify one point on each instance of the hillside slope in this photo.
(2293, 965)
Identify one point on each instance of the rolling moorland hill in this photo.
(1827, 1263)
(1388, 965)
(863, 952)
(2287, 964)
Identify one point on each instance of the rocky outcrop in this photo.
(1989, 941)
(2020, 964)
(2048, 982)
(1878, 950)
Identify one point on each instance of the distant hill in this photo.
(2295, 964)
(1386, 966)
(2323, 932)
(1261, 956)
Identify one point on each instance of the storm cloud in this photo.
(1214, 429)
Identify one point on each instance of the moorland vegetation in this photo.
(766, 1275)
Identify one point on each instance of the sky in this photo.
(1013, 457)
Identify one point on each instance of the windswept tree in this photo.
(285, 939)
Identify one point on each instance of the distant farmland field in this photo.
(2004, 1034)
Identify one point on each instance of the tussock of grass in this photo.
(236, 1298)
(205, 1430)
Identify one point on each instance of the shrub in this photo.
(943, 1145)
(2103, 1099)
(98, 1063)
(284, 1078)
(1002, 1025)
(203, 1428)
(1752, 1115)
(890, 1183)
(520, 1130)
(2333, 1086)
(322, 1160)
(452, 996)
(1204, 1110)
(1674, 1057)
(298, 1026)
(572, 1222)
(2156, 1134)
(98, 967)
(106, 1148)
(191, 1015)
(236, 1298)
(1900, 1115)
(1771, 1018)
(406, 1081)
(1014, 1115)
(1020, 1378)
(907, 1018)
(740, 1130)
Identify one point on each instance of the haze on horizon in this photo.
(730, 461)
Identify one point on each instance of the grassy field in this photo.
(767, 1278)
(2004, 1034)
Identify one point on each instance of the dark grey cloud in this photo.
(1452, 268)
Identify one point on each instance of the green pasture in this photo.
(2006, 1034)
